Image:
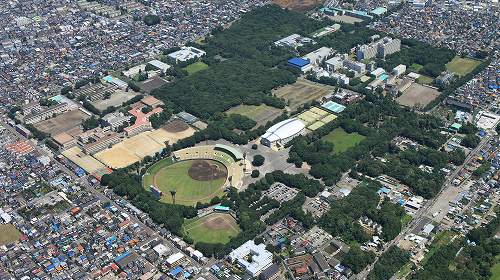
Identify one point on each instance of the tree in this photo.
(258, 160)
(151, 20)
(470, 141)
(255, 173)
(254, 146)
(90, 123)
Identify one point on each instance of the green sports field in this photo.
(195, 67)
(179, 177)
(213, 228)
(462, 66)
(342, 140)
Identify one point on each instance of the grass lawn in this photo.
(462, 66)
(342, 140)
(214, 228)
(195, 67)
(425, 80)
(174, 177)
(9, 234)
(495, 272)
(415, 67)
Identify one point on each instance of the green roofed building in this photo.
(455, 127)
(235, 153)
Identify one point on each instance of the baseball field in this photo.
(192, 180)
(213, 228)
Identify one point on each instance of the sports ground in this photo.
(261, 113)
(462, 66)
(9, 234)
(192, 180)
(418, 96)
(213, 228)
(195, 67)
(342, 140)
(301, 92)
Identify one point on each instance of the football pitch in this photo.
(191, 180)
(195, 67)
(213, 228)
(342, 140)
(462, 66)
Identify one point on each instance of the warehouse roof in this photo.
(299, 62)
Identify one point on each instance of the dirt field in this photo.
(202, 170)
(213, 228)
(261, 114)
(88, 163)
(117, 99)
(418, 96)
(135, 148)
(63, 122)
(298, 5)
(9, 234)
(301, 92)
(153, 83)
(345, 19)
(176, 126)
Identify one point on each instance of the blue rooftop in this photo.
(298, 62)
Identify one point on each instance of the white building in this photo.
(175, 259)
(294, 41)
(378, 72)
(187, 53)
(282, 132)
(399, 70)
(334, 64)
(380, 48)
(160, 65)
(254, 258)
(318, 56)
(486, 120)
(355, 66)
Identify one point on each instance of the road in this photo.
(103, 198)
(425, 211)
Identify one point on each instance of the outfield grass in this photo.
(342, 140)
(462, 66)
(199, 230)
(195, 67)
(9, 234)
(174, 177)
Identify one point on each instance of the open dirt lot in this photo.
(298, 5)
(153, 83)
(261, 114)
(78, 157)
(345, 19)
(137, 147)
(213, 228)
(301, 92)
(418, 96)
(62, 122)
(117, 99)
(9, 234)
